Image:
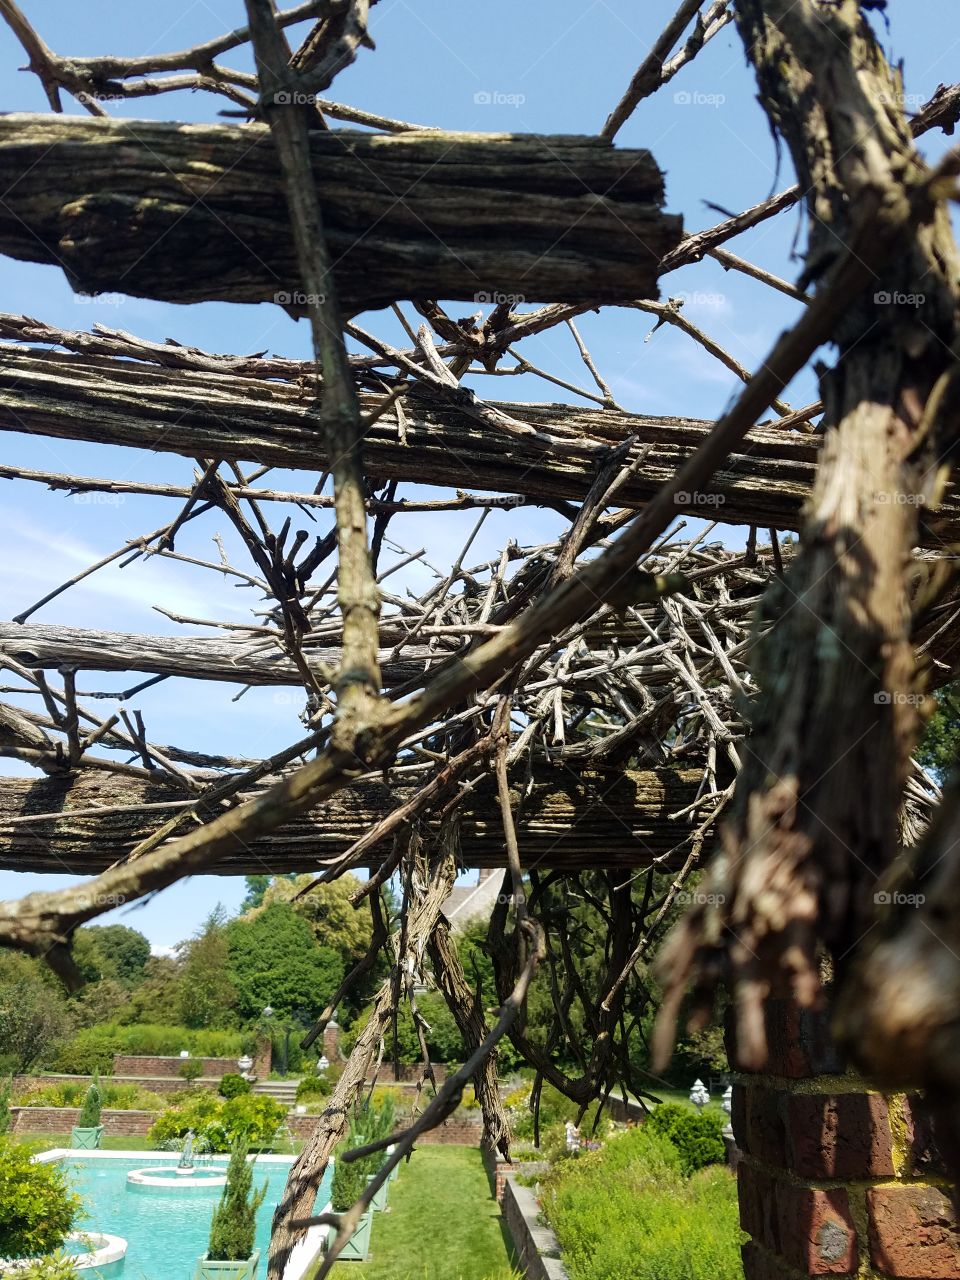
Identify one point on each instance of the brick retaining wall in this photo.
(836, 1179)
(61, 1120)
(147, 1065)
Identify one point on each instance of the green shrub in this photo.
(233, 1229)
(221, 1122)
(314, 1086)
(626, 1212)
(370, 1124)
(37, 1206)
(191, 1069)
(117, 1097)
(233, 1084)
(698, 1137)
(89, 1116)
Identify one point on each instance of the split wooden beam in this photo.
(764, 481)
(190, 213)
(195, 414)
(617, 819)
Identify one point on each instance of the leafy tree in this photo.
(274, 960)
(208, 992)
(335, 921)
(939, 749)
(444, 1042)
(256, 888)
(112, 951)
(33, 1012)
(158, 994)
(103, 1001)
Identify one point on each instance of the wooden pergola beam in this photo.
(270, 422)
(190, 213)
(235, 659)
(617, 820)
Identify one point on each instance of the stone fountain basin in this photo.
(177, 1179)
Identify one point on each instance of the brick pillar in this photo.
(836, 1179)
(263, 1057)
(331, 1041)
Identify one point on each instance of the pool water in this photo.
(166, 1231)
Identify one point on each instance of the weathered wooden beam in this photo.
(272, 422)
(238, 659)
(195, 413)
(188, 213)
(617, 819)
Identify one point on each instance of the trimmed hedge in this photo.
(698, 1137)
(92, 1048)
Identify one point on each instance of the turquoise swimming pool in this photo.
(166, 1230)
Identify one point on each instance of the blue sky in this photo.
(549, 66)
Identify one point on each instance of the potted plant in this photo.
(231, 1255)
(349, 1183)
(87, 1132)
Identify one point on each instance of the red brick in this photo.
(913, 1233)
(765, 1132)
(758, 1264)
(924, 1153)
(844, 1135)
(758, 1205)
(817, 1235)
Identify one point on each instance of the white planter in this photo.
(209, 1269)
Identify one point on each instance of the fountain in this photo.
(186, 1166)
(186, 1176)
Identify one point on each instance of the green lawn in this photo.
(442, 1224)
